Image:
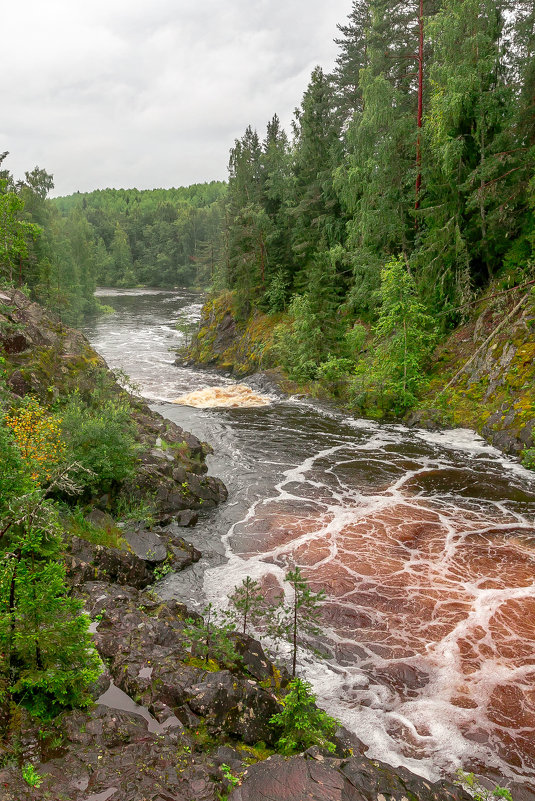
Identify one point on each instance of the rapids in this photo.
(424, 543)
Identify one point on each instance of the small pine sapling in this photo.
(300, 617)
(207, 639)
(247, 604)
(303, 724)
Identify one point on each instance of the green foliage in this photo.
(299, 345)
(30, 775)
(78, 525)
(303, 724)
(335, 369)
(229, 776)
(298, 619)
(101, 442)
(136, 512)
(404, 338)
(528, 458)
(47, 660)
(469, 782)
(247, 604)
(14, 476)
(209, 637)
(162, 570)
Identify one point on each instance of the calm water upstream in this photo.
(424, 543)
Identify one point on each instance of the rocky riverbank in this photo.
(164, 728)
(46, 360)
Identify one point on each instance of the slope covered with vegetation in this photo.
(401, 207)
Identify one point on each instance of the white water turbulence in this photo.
(230, 397)
(430, 581)
(142, 337)
(423, 541)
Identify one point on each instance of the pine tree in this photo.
(300, 618)
(247, 604)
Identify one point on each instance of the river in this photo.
(423, 541)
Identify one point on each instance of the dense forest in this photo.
(62, 248)
(406, 187)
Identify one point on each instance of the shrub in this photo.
(38, 438)
(101, 441)
(303, 724)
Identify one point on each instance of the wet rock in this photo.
(17, 384)
(430, 419)
(88, 562)
(100, 518)
(108, 748)
(187, 518)
(253, 658)
(347, 742)
(266, 383)
(235, 705)
(319, 778)
(147, 545)
(402, 677)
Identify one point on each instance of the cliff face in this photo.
(45, 359)
(483, 376)
(238, 347)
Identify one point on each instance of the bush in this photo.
(300, 344)
(528, 458)
(303, 724)
(101, 441)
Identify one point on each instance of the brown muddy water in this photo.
(424, 543)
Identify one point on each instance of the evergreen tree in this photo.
(303, 724)
(247, 604)
(299, 619)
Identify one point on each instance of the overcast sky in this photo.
(151, 93)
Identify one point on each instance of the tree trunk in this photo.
(419, 116)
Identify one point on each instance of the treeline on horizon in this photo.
(60, 249)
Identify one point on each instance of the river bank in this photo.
(163, 726)
(482, 376)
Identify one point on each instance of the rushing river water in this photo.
(424, 543)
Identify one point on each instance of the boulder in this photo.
(88, 562)
(253, 658)
(187, 518)
(234, 705)
(147, 545)
(314, 777)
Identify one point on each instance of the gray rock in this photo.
(147, 545)
(235, 705)
(315, 777)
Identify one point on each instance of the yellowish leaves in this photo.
(38, 436)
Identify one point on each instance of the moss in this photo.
(254, 753)
(211, 666)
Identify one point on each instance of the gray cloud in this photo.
(152, 92)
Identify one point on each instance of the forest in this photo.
(60, 249)
(405, 187)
